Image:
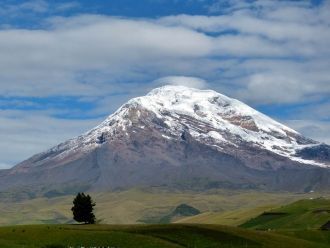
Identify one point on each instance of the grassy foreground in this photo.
(121, 236)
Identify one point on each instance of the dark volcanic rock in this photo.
(318, 152)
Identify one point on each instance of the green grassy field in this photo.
(230, 217)
(149, 206)
(121, 236)
(292, 225)
(308, 214)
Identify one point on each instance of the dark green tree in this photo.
(82, 209)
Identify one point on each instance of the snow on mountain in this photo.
(211, 118)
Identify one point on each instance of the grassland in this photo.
(230, 217)
(149, 206)
(167, 236)
(285, 225)
(301, 219)
(308, 214)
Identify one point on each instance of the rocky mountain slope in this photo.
(183, 138)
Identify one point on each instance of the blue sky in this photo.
(66, 65)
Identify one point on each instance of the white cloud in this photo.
(34, 5)
(276, 81)
(248, 23)
(5, 166)
(24, 134)
(65, 59)
(91, 54)
(286, 24)
(229, 6)
(192, 82)
(317, 130)
(29, 7)
(67, 6)
(50, 61)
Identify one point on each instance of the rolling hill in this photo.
(155, 236)
(308, 214)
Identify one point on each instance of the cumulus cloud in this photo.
(52, 60)
(23, 134)
(88, 54)
(289, 81)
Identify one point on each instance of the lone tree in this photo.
(82, 209)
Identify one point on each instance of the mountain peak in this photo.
(208, 116)
(205, 105)
(187, 97)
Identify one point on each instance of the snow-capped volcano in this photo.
(208, 116)
(176, 134)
